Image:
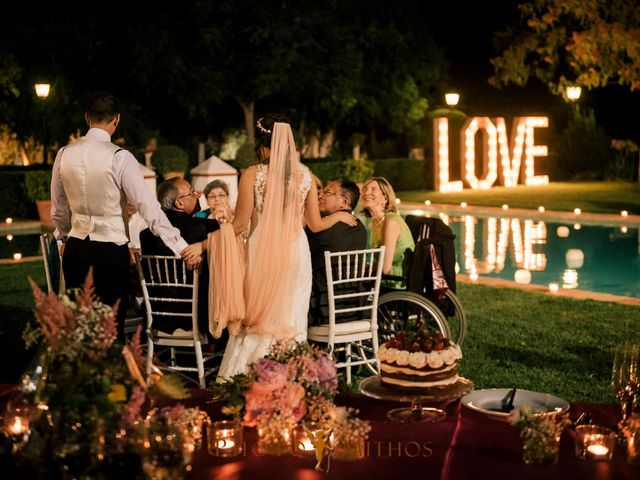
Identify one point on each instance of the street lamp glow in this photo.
(42, 90)
(573, 93)
(452, 99)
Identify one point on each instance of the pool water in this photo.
(586, 257)
(28, 245)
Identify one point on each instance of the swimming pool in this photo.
(597, 258)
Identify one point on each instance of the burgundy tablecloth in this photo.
(466, 445)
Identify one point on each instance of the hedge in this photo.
(14, 202)
(402, 173)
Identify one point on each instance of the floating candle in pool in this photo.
(624, 213)
(624, 229)
(9, 220)
(17, 256)
(554, 287)
(577, 226)
(577, 211)
(463, 204)
(9, 237)
(541, 209)
(562, 231)
(427, 202)
(505, 207)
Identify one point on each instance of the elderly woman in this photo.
(386, 227)
(217, 195)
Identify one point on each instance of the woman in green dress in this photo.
(386, 227)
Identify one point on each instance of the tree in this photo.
(589, 43)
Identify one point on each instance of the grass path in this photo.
(595, 197)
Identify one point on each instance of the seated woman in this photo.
(386, 227)
(217, 195)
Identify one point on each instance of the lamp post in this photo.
(452, 99)
(42, 91)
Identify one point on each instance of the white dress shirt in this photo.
(128, 177)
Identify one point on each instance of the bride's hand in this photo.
(346, 217)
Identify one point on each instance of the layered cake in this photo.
(422, 361)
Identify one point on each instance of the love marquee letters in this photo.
(505, 159)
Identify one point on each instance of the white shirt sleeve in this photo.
(60, 210)
(129, 177)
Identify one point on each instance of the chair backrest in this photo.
(169, 289)
(353, 283)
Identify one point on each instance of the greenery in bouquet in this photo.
(540, 434)
(89, 391)
(294, 382)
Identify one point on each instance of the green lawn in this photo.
(527, 340)
(596, 197)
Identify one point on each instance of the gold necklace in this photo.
(377, 223)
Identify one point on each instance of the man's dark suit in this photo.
(193, 230)
(339, 238)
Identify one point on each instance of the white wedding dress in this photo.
(245, 349)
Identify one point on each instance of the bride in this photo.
(277, 196)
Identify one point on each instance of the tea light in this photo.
(9, 237)
(577, 226)
(17, 256)
(473, 276)
(624, 229)
(463, 204)
(225, 438)
(594, 442)
(427, 202)
(505, 207)
(577, 211)
(554, 287)
(562, 231)
(541, 209)
(624, 213)
(9, 220)
(18, 425)
(302, 445)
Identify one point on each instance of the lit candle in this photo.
(9, 237)
(306, 445)
(577, 226)
(624, 213)
(222, 444)
(554, 287)
(577, 211)
(17, 256)
(473, 276)
(505, 207)
(624, 229)
(427, 202)
(224, 439)
(398, 201)
(9, 220)
(18, 426)
(541, 209)
(597, 450)
(463, 204)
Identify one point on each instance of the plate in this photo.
(374, 388)
(489, 402)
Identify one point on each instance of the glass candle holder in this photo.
(273, 440)
(301, 444)
(224, 438)
(631, 430)
(17, 418)
(594, 442)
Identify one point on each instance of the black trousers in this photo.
(110, 264)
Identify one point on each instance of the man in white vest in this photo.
(92, 181)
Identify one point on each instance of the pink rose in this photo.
(292, 398)
(271, 373)
(327, 373)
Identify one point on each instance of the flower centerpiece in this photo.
(294, 382)
(350, 435)
(540, 434)
(87, 391)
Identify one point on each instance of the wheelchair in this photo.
(418, 303)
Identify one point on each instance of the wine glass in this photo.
(625, 377)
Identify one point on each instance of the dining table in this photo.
(466, 444)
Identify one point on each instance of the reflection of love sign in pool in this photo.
(504, 159)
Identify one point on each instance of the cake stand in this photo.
(374, 388)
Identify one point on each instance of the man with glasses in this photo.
(180, 202)
(339, 195)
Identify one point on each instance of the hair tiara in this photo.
(260, 127)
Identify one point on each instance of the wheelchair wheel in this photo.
(458, 320)
(398, 310)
